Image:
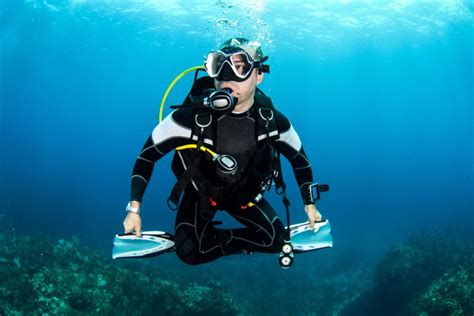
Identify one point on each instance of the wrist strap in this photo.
(130, 209)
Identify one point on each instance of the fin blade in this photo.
(153, 243)
(305, 238)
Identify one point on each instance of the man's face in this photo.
(243, 90)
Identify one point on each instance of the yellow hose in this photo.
(160, 117)
(189, 146)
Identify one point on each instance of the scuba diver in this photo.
(227, 138)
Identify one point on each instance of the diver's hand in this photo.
(133, 222)
(313, 214)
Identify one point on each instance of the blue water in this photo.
(381, 95)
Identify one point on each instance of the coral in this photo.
(43, 277)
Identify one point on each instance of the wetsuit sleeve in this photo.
(172, 132)
(289, 144)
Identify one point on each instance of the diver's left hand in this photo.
(313, 214)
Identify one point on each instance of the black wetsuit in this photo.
(196, 239)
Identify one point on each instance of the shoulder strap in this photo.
(268, 132)
(265, 118)
(203, 130)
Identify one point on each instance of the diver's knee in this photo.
(186, 247)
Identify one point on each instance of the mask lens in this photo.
(240, 64)
(213, 64)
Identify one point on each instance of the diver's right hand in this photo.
(133, 223)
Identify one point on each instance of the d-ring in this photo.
(202, 125)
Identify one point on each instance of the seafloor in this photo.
(431, 273)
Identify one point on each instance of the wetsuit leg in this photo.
(196, 241)
(264, 231)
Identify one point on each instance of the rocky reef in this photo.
(40, 276)
(452, 294)
(430, 274)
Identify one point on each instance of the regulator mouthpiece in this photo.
(221, 101)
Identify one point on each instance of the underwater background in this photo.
(380, 92)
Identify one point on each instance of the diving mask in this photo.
(232, 66)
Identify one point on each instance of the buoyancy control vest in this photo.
(196, 171)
